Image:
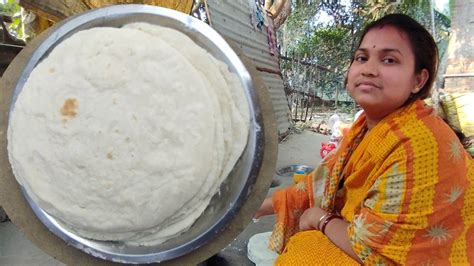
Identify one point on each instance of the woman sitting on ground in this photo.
(400, 187)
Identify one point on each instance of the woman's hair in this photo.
(422, 44)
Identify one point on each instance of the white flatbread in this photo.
(258, 251)
(126, 134)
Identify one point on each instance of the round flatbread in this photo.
(126, 133)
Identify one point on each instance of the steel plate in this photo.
(233, 193)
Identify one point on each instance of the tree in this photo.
(12, 9)
(324, 49)
(321, 49)
(9, 8)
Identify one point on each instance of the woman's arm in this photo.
(266, 208)
(287, 199)
(335, 230)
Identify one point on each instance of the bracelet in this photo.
(321, 219)
(327, 220)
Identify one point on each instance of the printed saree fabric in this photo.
(406, 188)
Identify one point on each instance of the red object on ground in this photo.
(326, 148)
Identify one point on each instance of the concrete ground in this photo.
(301, 149)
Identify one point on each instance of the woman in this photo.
(400, 187)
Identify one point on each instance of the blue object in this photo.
(259, 17)
(290, 170)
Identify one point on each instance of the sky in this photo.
(441, 5)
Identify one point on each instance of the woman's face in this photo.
(382, 75)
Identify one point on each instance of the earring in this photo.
(416, 90)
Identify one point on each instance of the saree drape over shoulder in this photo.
(406, 187)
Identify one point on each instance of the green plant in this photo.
(12, 9)
(316, 52)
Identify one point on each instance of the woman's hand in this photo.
(310, 218)
(266, 208)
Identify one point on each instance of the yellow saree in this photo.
(406, 187)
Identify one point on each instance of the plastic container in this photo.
(298, 175)
(326, 148)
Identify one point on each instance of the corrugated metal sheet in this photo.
(280, 104)
(231, 18)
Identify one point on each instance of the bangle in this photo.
(321, 219)
(327, 220)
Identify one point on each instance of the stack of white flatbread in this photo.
(126, 133)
